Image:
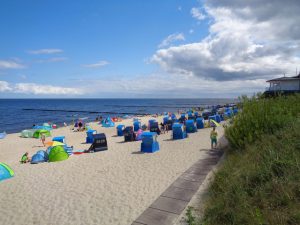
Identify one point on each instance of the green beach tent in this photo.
(58, 153)
(38, 133)
(27, 133)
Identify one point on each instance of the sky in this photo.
(146, 49)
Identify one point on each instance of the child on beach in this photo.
(213, 137)
(43, 138)
(25, 158)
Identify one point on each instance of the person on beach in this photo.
(80, 126)
(162, 128)
(25, 158)
(43, 138)
(213, 137)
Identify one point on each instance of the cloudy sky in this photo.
(170, 48)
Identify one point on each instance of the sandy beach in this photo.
(108, 188)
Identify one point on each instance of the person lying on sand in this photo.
(25, 158)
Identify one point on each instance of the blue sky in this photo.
(92, 48)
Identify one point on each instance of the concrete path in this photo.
(170, 204)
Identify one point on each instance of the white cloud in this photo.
(54, 59)
(45, 51)
(197, 14)
(247, 41)
(96, 65)
(4, 86)
(191, 31)
(170, 39)
(38, 89)
(10, 64)
(165, 86)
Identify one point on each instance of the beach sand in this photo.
(108, 188)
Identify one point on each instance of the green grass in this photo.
(262, 116)
(259, 182)
(190, 218)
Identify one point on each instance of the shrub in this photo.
(259, 182)
(262, 116)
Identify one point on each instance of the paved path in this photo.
(170, 204)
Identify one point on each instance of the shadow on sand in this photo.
(138, 153)
(169, 139)
(39, 146)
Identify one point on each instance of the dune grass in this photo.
(259, 182)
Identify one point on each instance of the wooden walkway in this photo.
(170, 204)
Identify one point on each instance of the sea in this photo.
(19, 114)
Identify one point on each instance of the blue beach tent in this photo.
(149, 142)
(108, 122)
(39, 157)
(136, 126)
(190, 126)
(120, 129)
(44, 154)
(200, 123)
(178, 132)
(5, 172)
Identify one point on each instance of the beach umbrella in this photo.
(54, 143)
(216, 123)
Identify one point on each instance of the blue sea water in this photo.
(14, 117)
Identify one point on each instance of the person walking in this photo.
(213, 138)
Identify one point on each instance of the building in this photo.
(284, 85)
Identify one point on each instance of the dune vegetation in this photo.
(259, 180)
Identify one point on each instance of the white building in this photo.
(285, 84)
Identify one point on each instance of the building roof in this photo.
(285, 78)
